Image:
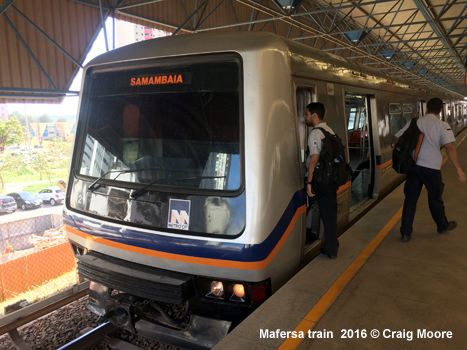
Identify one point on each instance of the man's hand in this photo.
(461, 174)
(309, 190)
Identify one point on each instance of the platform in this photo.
(380, 293)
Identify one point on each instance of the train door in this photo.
(359, 128)
(312, 229)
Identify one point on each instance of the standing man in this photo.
(427, 170)
(325, 195)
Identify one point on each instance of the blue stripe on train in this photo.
(195, 247)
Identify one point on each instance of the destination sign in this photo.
(156, 79)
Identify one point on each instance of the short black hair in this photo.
(318, 108)
(435, 105)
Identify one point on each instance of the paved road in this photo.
(24, 214)
(28, 213)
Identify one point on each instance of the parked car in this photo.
(53, 194)
(26, 200)
(7, 204)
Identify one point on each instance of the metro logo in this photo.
(179, 214)
(157, 80)
(179, 217)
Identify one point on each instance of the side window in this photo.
(395, 117)
(448, 114)
(421, 107)
(407, 113)
(304, 97)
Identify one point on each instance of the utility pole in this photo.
(28, 139)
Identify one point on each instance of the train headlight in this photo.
(238, 293)
(239, 290)
(217, 289)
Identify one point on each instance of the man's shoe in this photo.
(451, 226)
(330, 256)
(406, 238)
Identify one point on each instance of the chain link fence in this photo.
(36, 260)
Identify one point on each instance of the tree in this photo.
(55, 156)
(44, 119)
(62, 120)
(17, 165)
(10, 133)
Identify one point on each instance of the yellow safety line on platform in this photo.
(310, 320)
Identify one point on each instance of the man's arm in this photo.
(314, 159)
(452, 155)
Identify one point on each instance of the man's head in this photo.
(434, 106)
(314, 113)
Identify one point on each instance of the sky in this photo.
(69, 105)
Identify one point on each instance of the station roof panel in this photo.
(44, 42)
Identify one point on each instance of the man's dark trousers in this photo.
(416, 178)
(327, 202)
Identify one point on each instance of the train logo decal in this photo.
(179, 214)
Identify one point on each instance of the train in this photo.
(186, 185)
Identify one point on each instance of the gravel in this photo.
(58, 328)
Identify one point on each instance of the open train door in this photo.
(361, 153)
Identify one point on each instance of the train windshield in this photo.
(174, 124)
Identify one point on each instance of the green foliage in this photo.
(16, 166)
(10, 133)
(34, 188)
(51, 161)
(44, 119)
(55, 155)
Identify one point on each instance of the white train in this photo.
(187, 179)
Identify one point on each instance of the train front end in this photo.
(156, 206)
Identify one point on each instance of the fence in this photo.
(37, 261)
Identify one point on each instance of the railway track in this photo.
(63, 322)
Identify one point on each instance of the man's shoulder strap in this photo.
(324, 131)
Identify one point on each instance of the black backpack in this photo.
(333, 170)
(411, 139)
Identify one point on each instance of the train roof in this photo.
(301, 56)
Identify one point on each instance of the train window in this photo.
(448, 114)
(395, 117)
(421, 106)
(407, 113)
(178, 123)
(352, 117)
(304, 97)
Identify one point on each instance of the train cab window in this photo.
(395, 117)
(176, 125)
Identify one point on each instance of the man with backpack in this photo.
(326, 195)
(427, 170)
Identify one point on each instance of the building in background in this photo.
(52, 131)
(129, 33)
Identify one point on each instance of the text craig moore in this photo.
(360, 333)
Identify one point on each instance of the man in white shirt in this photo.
(427, 170)
(325, 195)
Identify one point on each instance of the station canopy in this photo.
(43, 43)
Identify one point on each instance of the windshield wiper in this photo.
(96, 185)
(138, 193)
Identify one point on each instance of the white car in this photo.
(53, 194)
